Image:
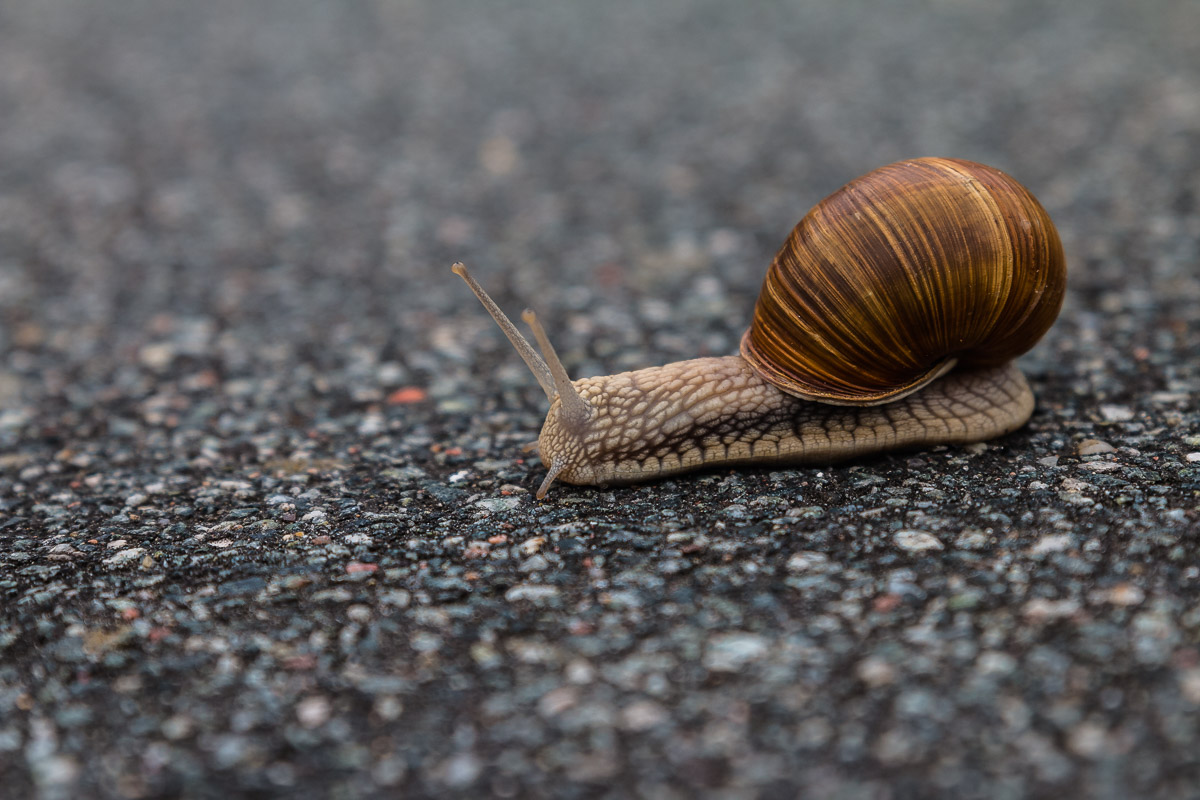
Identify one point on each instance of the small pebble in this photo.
(1041, 609)
(313, 712)
(1189, 684)
(1088, 739)
(643, 715)
(125, 557)
(556, 701)
(875, 672)
(803, 562)
(460, 771)
(497, 504)
(1051, 544)
(1112, 413)
(1092, 447)
(1123, 594)
(535, 563)
(971, 539)
(917, 541)
(531, 592)
(992, 662)
(731, 652)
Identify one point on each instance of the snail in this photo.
(884, 287)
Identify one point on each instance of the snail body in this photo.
(879, 291)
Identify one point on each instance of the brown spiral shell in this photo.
(900, 274)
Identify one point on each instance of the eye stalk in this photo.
(574, 412)
(536, 365)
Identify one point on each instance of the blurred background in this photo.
(274, 190)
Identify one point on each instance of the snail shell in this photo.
(887, 283)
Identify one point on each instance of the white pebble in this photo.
(125, 556)
(313, 712)
(917, 541)
(731, 652)
(1041, 608)
(1100, 466)
(1116, 413)
(875, 671)
(495, 504)
(1092, 447)
(1189, 684)
(580, 671)
(157, 356)
(971, 539)
(642, 715)
(1088, 739)
(995, 662)
(1051, 544)
(535, 593)
(1123, 594)
(396, 597)
(556, 701)
(807, 560)
(372, 425)
(461, 770)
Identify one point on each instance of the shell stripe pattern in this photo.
(903, 272)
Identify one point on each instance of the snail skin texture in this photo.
(889, 319)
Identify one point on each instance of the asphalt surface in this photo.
(265, 524)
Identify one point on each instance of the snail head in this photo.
(563, 436)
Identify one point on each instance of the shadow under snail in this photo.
(880, 290)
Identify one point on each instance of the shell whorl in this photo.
(899, 275)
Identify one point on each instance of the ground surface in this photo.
(265, 526)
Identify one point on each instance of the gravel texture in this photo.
(265, 524)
